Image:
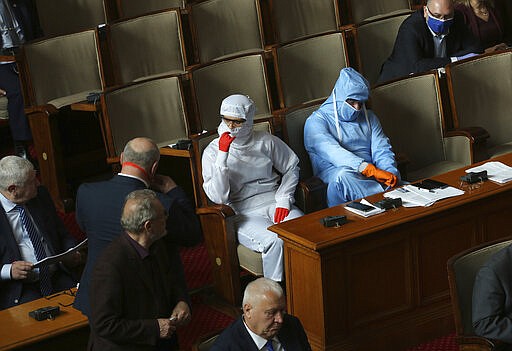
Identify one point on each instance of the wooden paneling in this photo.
(380, 283)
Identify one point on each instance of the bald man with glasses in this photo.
(430, 38)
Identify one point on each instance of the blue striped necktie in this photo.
(269, 345)
(35, 238)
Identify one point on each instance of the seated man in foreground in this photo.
(492, 298)
(138, 295)
(264, 325)
(430, 38)
(346, 144)
(30, 230)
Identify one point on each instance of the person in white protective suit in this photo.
(255, 173)
(346, 144)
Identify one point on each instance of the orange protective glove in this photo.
(380, 175)
(280, 214)
(225, 141)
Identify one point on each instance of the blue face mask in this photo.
(349, 113)
(437, 25)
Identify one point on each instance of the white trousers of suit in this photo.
(251, 227)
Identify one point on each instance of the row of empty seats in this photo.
(284, 20)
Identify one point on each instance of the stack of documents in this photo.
(496, 171)
(413, 196)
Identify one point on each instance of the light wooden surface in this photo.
(380, 283)
(18, 329)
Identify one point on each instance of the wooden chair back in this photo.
(147, 46)
(154, 108)
(223, 28)
(213, 82)
(64, 69)
(133, 8)
(364, 10)
(480, 93)
(58, 17)
(374, 41)
(306, 70)
(297, 19)
(411, 115)
(462, 271)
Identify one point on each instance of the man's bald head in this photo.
(441, 9)
(141, 151)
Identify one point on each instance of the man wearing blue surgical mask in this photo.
(428, 39)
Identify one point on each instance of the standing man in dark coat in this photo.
(264, 324)
(430, 38)
(99, 206)
(137, 295)
(28, 222)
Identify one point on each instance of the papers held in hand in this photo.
(57, 258)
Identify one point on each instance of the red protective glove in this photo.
(280, 214)
(225, 141)
(380, 175)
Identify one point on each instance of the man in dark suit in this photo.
(30, 230)
(138, 296)
(492, 298)
(264, 324)
(430, 38)
(99, 206)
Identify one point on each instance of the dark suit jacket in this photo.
(54, 233)
(98, 212)
(492, 298)
(414, 47)
(124, 297)
(236, 337)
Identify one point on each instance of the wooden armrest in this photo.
(47, 109)
(476, 134)
(221, 210)
(402, 161)
(313, 194)
(478, 138)
(86, 106)
(478, 343)
(221, 241)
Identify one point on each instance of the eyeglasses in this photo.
(236, 123)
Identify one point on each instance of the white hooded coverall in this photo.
(257, 174)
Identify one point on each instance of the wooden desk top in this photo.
(309, 231)
(18, 329)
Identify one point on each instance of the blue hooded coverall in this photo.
(338, 155)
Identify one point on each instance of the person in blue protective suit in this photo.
(346, 144)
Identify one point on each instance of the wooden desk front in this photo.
(68, 331)
(380, 283)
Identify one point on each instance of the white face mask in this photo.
(234, 131)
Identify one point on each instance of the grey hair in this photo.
(145, 157)
(257, 288)
(14, 170)
(134, 219)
